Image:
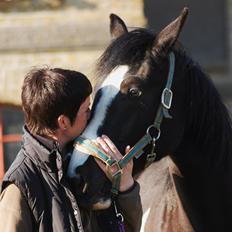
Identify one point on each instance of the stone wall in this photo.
(71, 37)
(66, 28)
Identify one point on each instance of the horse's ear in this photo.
(117, 26)
(166, 39)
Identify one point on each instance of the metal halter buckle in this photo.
(166, 98)
(119, 169)
(151, 157)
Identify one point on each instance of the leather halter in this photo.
(137, 149)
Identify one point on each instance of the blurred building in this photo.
(73, 33)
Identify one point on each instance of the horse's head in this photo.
(134, 69)
(132, 74)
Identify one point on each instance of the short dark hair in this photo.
(50, 92)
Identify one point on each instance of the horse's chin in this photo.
(102, 204)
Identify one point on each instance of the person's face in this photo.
(67, 131)
(81, 119)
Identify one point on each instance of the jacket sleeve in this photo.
(14, 211)
(129, 204)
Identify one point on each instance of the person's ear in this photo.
(63, 122)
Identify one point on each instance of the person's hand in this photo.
(111, 150)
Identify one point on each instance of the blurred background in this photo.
(73, 33)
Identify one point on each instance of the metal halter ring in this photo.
(158, 135)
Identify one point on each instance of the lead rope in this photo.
(120, 218)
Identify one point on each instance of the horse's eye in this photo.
(134, 92)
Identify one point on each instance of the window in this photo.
(11, 123)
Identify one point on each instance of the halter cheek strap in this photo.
(137, 149)
(163, 110)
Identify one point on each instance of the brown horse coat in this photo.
(160, 192)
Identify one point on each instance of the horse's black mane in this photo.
(209, 120)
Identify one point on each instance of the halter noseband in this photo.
(137, 149)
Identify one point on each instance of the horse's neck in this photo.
(205, 156)
(206, 173)
(205, 182)
(188, 157)
(208, 131)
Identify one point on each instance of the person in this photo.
(36, 194)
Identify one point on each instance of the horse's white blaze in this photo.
(144, 219)
(110, 88)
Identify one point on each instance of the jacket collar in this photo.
(44, 152)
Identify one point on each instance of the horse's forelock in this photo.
(129, 49)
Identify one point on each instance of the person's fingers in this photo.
(103, 145)
(111, 145)
(110, 149)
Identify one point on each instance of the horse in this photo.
(192, 143)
